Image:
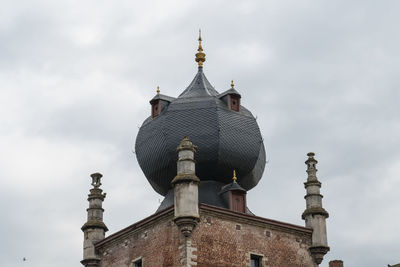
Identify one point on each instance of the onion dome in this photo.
(226, 134)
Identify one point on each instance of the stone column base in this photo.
(90, 262)
(318, 253)
(186, 224)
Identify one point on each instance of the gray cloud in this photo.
(76, 79)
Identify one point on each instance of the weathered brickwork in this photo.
(338, 263)
(156, 243)
(221, 239)
(225, 241)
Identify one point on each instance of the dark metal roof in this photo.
(226, 139)
(162, 97)
(200, 86)
(230, 91)
(232, 187)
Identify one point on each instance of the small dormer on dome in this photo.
(231, 97)
(159, 102)
(234, 195)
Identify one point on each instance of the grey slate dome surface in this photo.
(226, 139)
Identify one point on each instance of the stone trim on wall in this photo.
(255, 220)
(238, 217)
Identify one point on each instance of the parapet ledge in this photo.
(255, 220)
(128, 231)
(94, 224)
(315, 211)
(185, 177)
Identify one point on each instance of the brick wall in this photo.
(220, 240)
(336, 263)
(226, 241)
(155, 243)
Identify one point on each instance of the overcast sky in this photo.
(76, 78)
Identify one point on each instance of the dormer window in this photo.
(237, 201)
(159, 102)
(234, 195)
(234, 102)
(155, 108)
(231, 97)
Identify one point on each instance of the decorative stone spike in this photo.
(315, 215)
(94, 229)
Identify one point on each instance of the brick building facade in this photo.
(222, 238)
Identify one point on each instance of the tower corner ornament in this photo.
(315, 215)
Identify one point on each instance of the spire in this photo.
(94, 229)
(158, 90)
(234, 176)
(200, 56)
(315, 215)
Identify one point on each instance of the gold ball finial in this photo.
(200, 56)
(232, 84)
(158, 90)
(234, 176)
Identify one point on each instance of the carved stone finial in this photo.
(96, 179)
(186, 162)
(186, 144)
(311, 163)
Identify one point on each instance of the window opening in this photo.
(137, 263)
(155, 108)
(255, 260)
(234, 103)
(237, 202)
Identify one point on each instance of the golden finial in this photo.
(200, 56)
(200, 36)
(232, 84)
(158, 90)
(234, 176)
